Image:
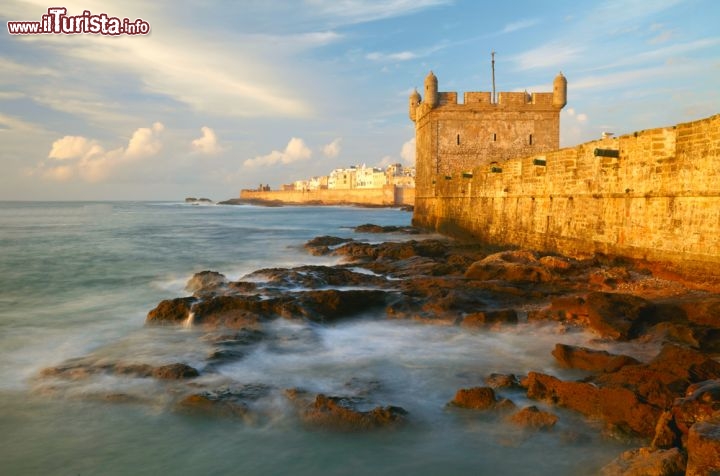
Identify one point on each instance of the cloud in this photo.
(88, 160)
(520, 25)
(207, 144)
(295, 151)
(401, 56)
(549, 55)
(332, 149)
(361, 11)
(407, 152)
(73, 147)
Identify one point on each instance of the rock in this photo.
(701, 403)
(171, 311)
(322, 245)
(371, 228)
(489, 318)
(647, 462)
(565, 309)
(502, 381)
(315, 277)
(205, 282)
(239, 311)
(208, 403)
(339, 413)
(512, 266)
(176, 371)
(480, 398)
(582, 358)
(609, 278)
(704, 448)
(556, 263)
(617, 406)
(331, 304)
(615, 315)
(533, 418)
(667, 434)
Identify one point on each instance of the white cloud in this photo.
(407, 152)
(332, 149)
(88, 160)
(520, 25)
(295, 151)
(401, 56)
(208, 143)
(360, 11)
(549, 55)
(582, 117)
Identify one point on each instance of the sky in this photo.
(224, 95)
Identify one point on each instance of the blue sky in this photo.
(227, 95)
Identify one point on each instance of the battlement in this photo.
(505, 100)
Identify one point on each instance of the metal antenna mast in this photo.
(493, 75)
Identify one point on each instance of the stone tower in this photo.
(453, 138)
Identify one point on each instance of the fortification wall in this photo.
(658, 201)
(389, 195)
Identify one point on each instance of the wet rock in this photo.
(331, 304)
(489, 318)
(704, 448)
(509, 381)
(615, 315)
(511, 266)
(316, 277)
(575, 357)
(171, 311)
(701, 403)
(565, 309)
(205, 282)
(133, 369)
(609, 278)
(647, 462)
(231, 401)
(480, 398)
(175, 371)
(340, 413)
(234, 311)
(371, 228)
(323, 245)
(617, 406)
(533, 418)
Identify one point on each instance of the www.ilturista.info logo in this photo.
(58, 22)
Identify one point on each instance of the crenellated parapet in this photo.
(453, 136)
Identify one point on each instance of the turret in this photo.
(560, 91)
(431, 90)
(414, 103)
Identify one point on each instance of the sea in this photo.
(78, 279)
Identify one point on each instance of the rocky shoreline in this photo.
(670, 402)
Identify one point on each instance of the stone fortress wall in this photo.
(652, 195)
(388, 195)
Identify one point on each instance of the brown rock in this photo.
(575, 357)
(476, 398)
(701, 403)
(566, 309)
(614, 315)
(511, 266)
(617, 406)
(175, 372)
(502, 381)
(322, 245)
(205, 282)
(489, 318)
(533, 418)
(339, 413)
(209, 403)
(647, 462)
(171, 311)
(704, 449)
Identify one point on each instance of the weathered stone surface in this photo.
(171, 311)
(225, 401)
(480, 398)
(575, 357)
(619, 407)
(489, 318)
(339, 413)
(502, 381)
(647, 462)
(566, 309)
(371, 228)
(322, 245)
(315, 277)
(176, 371)
(703, 448)
(512, 266)
(205, 282)
(615, 315)
(701, 403)
(533, 418)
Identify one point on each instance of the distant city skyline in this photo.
(221, 96)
